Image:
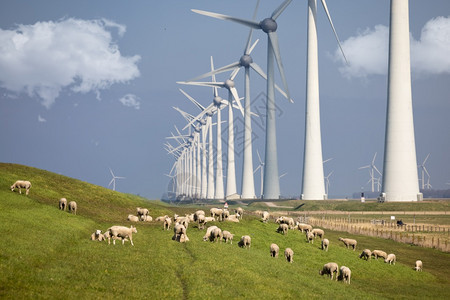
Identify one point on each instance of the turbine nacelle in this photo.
(268, 25)
(229, 84)
(217, 101)
(246, 60)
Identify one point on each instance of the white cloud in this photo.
(367, 53)
(41, 119)
(131, 100)
(44, 58)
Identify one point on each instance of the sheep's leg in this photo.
(20, 191)
(131, 241)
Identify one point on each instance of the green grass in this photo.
(46, 253)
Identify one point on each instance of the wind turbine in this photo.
(372, 171)
(400, 177)
(269, 26)
(113, 180)
(261, 168)
(327, 181)
(312, 179)
(425, 171)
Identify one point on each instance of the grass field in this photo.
(47, 253)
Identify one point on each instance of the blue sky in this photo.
(89, 85)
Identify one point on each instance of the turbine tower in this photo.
(400, 178)
(313, 187)
(425, 171)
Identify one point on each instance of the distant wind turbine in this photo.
(327, 181)
(372, 171)
(425, 171)
(113, 180)
(261, 168)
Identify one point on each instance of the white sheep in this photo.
(146, 218)
(283, 228)
(133, 218)
(216, 235)
(419, 265)
(161, 218)
(265, 216)
(216, 212)
(167, 223)
(345, 273)
(21, 184)
(304, 227)
(366, 254)
(208, 232)
(209, 219)
(182, 220)
(325, 243)
(349, 243)
(289, 255)
(390, 259)
(201, 221)
(239, 211)
(142, 212)
(330, 269)
(309, 237)
(233, 218)
(97, 236)
(122, 232)
(318, 232)
(379, 253)
(245, 241)
(274, 249)
(228, 236)
(62, 204)
(225, 214)
(73, 207)
(197, 214)
(179, 233)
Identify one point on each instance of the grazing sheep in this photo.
(142, 212)
(265, 216)
(245, 241)
(179, 233)
(345, 273)
(274, 249)
(390, 259)
(133, 218)
(289, 255)
(304, 227)
(208, 233)
(366, 254)
(97, 236)
(233, 218)
(240, 212)
(167, 223)
(21, 184)
(62, 204)
(228, 236)
(201, 221)
(216, 212)
(325, 243)
(216, 235)
(197, 214)
(379, 253)
(183, 220)
(161, 218)
(318, 232)
(146, 218)
(419, 265)
(284, 228)
(73, 207)
(349, 243)
(122, 232)
(286, 220)
(330, 269)
(225, 214)
(310, 237)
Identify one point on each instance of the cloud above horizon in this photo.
(44, 58)
(367, 52)
(131, 100)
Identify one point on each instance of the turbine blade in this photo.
(324, 4)
(236, 98)
(277, 12)
(425, 160)
(234, 73)
(210, 84)
(259, 157)
(111, 172)
(376, 169)
(249, 23)
(249, 39)
(261, 73)
(364, 167)
(217, 71)
(196, 103)
(252, 47)
(374, 157)
(273, 37)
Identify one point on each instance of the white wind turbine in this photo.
(113, 180)
(312, 179)
(261, 169)
(425, 171)
(327, 181)
(269, 26)
(372, 171)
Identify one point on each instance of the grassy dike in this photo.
(46, 253)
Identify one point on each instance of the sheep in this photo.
(345, 273)
(225, 214)
(233, 218)
(318, 232)
(216, 235)
(325, 243)
(419, 265)
(284, 228)
(245, 241)
(304, 227)
(73, 207)
(330, 269)
(97, 236)
(366, 254)
(216, 212)
(289, 255)
(349, 242)
(274, 249)
(265, 216)
(310, 237)
(228, 236)
(209, 219)
(208, 233)
(167, 223)
(21, 184)
(183, 220)
(197, 214)
(122, 232)
(161, 218)
(133, 218)
(390, 259)
(146, 218)
(62, 204)
(286, 220)
(239, 211)
(379, 253)
(201, 221)
(142, 212)
(179, 233)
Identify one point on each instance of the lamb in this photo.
(419, 265)
(330, 269)
(265, 216)
(208, 232)
(366, 254)
(21, 184)
(379, 253)
(122, 232)
(97, 236)
(390, 259)
(304, 227)
(349, 242)
(274, 249)
(216, 235)
(245, 241)
(345, 273)
(318, 232)
(325, 243)
(161, 218)
(240, 212)
(289, 255)
(310, 237)
(284, 228)
(133, 218)
(167, 223)
(62, 204)
(233, 218)
(179, 233)
(228, 236)
(73, 207)
(146, 218)
(142, 212)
